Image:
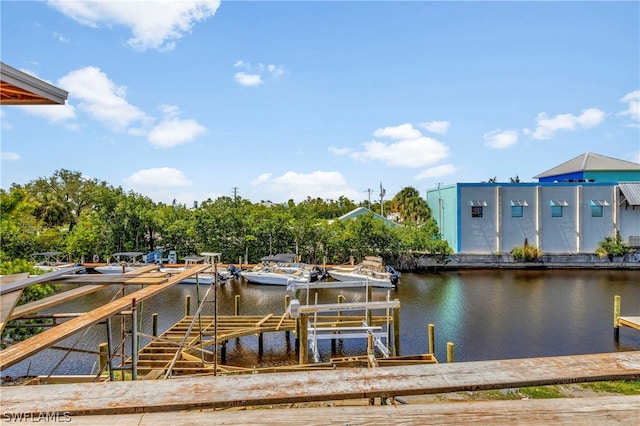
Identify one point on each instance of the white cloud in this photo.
(439, 127)
(154, 24)
(275, 70)
(437, 171)
(162, 177)
(499, 139)
(409, 149)
(263, 178)
(632, 99)
(546, 127)
(254, 73)
(299, 186)
(56, 114)
(10, 156)
(248, 79)
(173, 131)
(101, 99)
(340, 151)
(401, 132)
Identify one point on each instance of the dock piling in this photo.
(236, 305)
(432, 348)
(616, 315)
(187, 306)
(154, 325)
(449, 352)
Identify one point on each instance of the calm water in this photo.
(486, 314)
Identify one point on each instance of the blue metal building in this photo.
(576, 205)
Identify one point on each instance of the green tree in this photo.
(410, 205)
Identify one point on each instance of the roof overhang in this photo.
(20, 88)
(631, 192)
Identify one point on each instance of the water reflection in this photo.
(487, 314)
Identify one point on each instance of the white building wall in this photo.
(577, 231)
(478, 234)
(515, 230)
(594, 229)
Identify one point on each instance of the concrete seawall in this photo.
(506, 261)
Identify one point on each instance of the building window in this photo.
(557, 208)
(597, 207)
(477, 208)
(517, 208)
(517, 211)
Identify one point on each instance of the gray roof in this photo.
(631, 192)
(20, 88)
(589, 162)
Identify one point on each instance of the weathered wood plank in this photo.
(47, 302)
(48, 277)
(26, 348)
(592, 410)
(286, 388)
(633, 322)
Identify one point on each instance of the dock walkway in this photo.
(172, 396)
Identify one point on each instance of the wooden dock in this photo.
(48, 338)
(125, 402)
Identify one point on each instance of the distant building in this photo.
(353, 214)
(572, 208)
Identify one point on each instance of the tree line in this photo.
(85, 217)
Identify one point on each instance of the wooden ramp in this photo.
(50, 337)
(196, 393)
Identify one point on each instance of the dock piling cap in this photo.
(294, 308)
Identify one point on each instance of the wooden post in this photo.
(287, 301)
(187, 306)
(223, 352)
(303, 333)
(369, 294)
(236, 305)
(449, 351)
(154, 325)
(103, 359)
(260, 344)
(432, 347)
(616, 315)
(396, 329)
(333, 341)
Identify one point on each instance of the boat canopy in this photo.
(281, 257)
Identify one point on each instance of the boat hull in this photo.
(272, 278)
(344, 275)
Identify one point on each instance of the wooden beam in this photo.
(534, 412)
(44, 278)
(26, 348)
(287, 388)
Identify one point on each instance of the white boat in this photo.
(274, 276)
(370, 270)
(50, 260)
(123, 262)
(208, 275)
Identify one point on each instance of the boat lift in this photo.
(316, 331)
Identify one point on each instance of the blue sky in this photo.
(284, 100)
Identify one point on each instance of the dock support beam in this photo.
(303, 336)
(154, 326)
(432, 345)
(396, 330)
(616, 315)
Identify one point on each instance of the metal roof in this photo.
(631, 192)
(20, 88)
(589, 162)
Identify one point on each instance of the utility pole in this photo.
(235, 196)
(369, 190)
(382, 192)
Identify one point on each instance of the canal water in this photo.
(487, 314)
